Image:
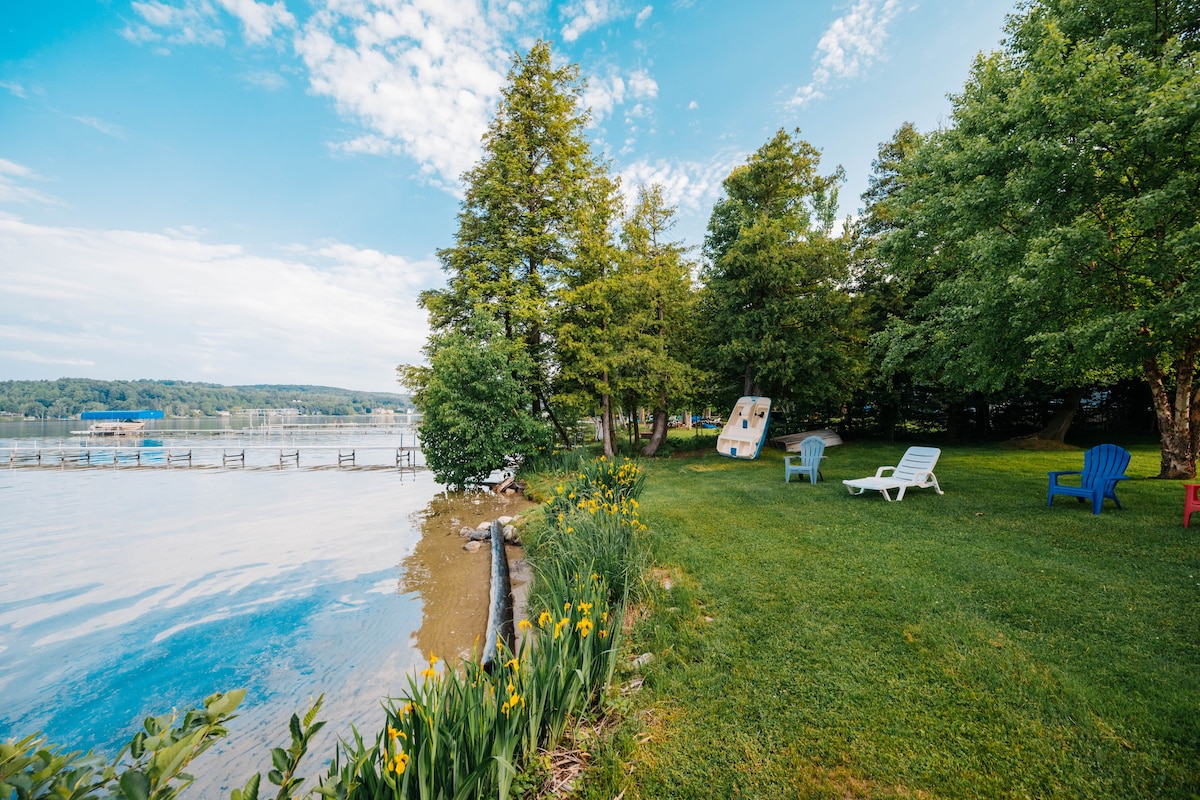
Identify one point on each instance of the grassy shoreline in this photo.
(975, 644)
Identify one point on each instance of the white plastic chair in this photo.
(915, 470)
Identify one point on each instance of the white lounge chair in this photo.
(914, 470)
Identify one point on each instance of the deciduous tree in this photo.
(1059, 213)
(477, 412)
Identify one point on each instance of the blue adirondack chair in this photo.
(812, 450)
(1103, 466)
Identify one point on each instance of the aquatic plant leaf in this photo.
(134, 785)
(249, 791)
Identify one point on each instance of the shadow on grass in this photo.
(976, 644)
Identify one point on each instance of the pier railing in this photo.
(175, 456)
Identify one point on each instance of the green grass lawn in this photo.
(975, 644)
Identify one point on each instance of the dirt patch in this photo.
(455, 585)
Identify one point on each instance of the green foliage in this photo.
(593, 528)
(577, 644)
(476, 408)
(1049, 232)
(774, 300)
(150, 767)
(537, 207)
(69, 396)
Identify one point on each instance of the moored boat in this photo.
(118, 423)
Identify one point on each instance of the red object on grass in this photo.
(1191, 501)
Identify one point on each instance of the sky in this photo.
(248, 192)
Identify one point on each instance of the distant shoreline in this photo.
(66, 398)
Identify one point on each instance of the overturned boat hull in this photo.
(746, 430)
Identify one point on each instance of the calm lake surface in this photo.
(131, 591)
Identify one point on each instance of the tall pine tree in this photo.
(532, 213)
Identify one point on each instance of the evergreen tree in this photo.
(774, 298)
(654, 283)
(535, 215)
(527, 213)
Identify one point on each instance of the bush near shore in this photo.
(460, 732)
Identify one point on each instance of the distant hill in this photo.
(69, 396)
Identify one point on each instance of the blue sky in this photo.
(241, 192)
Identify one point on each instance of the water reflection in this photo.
(454, 584)
(132, 592)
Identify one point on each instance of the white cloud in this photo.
(199, 21)
(16, 88)
(642, 16)
(693, 105)
(265, 79)
(331, 314)
(192, 23)
(259, 20)
(583, 15)
(849, 46)
(642, 86)
(12, 190)
(35, 358)
(602, 95)
(98, 124)
(690, 185)
(422, 76)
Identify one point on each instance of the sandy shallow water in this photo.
(130, 592)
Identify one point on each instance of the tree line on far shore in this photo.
(1038, 251)
(67, 397)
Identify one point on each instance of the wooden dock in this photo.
(345, 455)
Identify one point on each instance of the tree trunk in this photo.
(1056, 429)
(748, 381)
(658, 433)
(954, 421)
(1176, 428)
(606, 425)
(983, 416)
(562, 432)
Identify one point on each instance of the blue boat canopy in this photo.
(122, 415)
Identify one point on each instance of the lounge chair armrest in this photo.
(879, 472)
(1054, 476)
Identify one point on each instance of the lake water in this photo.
(130, 591)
